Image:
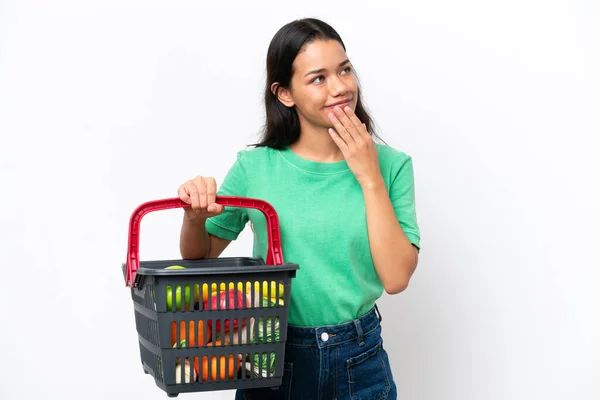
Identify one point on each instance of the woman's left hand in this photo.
(357, 146)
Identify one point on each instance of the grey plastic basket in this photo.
(216, 324)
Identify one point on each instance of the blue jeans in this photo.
(341, 362)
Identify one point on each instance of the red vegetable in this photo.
(237, 299)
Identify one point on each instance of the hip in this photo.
(346, 361)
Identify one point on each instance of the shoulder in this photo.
(256, 161)
(391, 157)
(256, 154)
(396, 166)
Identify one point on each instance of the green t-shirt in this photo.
(323, 226)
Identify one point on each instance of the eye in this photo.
(347, 70)
(317, 79)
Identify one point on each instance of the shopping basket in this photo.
(211, 324)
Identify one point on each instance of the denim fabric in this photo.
(341, 362)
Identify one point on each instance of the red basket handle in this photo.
(274, 253)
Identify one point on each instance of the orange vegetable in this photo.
(174, 338)
(192, 329)
(213, 372)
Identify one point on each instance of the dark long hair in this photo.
(282, 125)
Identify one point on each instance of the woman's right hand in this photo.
(201, 193)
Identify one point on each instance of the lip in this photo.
(339, 103)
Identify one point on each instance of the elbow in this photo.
(398, 283)
(191, 255)
(395, 287)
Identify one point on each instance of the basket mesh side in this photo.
(146, 327)
(152, 363)
(144, 296)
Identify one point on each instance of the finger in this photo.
(340, 129)
(355, 121)
(194, 196)
(184, 195)
(338, 140)
(211, 191)
(353, 130)
(202, 193)
(215, 208)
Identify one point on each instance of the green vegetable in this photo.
(267, 336)
(270, 334)
(265, 359)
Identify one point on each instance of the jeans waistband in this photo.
(332, 335)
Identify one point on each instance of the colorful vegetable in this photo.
(187, 373)
(232, 368)
(237, 299)
(267, 331)
(266, 372)
(265, 288)
(188, 368)
(222, 286)
(247, 334)
(192, 330)
(178, 298)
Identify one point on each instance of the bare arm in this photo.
(394, 256)
(195, 242)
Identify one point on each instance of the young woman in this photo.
(346, 208)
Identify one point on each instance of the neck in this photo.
(315, 144)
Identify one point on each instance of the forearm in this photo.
(393, 255)
(194, 242)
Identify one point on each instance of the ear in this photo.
(282, 94)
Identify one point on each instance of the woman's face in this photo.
(323, 77)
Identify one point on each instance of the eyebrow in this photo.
(318, 71)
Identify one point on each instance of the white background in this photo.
(107, 104)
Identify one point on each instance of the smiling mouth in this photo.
(339, 103)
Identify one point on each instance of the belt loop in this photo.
(359, 330)
(378, 313)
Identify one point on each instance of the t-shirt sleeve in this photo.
(402, 196)
(232, 221)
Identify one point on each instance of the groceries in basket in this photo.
(276, 289)
(236, 298)
(188, 372)
(247, 330)
(267, 332)
(232, 367)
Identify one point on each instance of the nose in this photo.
(337, 87)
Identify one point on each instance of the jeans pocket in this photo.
(283, 392)
(368, 377)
